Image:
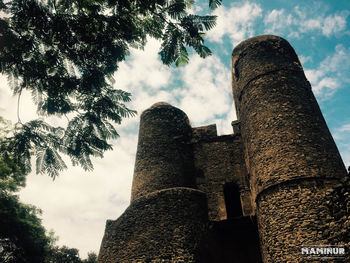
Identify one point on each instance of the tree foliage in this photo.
(22, 236)
(11, 174)
(65, 254)
(91, 258)
(66, 52)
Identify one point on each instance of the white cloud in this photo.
(339, 62)
(206, 94)
(77, 204)
(311, 24)
(236, 22)
(304, 20)
(326, 87)
(145, 76)
(334, 23)
(342, 133)
(304, 59)
(331, 73)
(278, 20)
(143, 69)
(344, 128)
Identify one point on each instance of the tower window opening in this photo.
(232, 200)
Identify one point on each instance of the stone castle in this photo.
(257, 195)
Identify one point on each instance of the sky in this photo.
(77, 204)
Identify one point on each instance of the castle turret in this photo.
(166, 219)
(289, 152)
(164, 157)
(196, 196)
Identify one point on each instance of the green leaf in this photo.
(203, 51)
(182, 57)
(213, 4)
(176, 9)
(189, 3)
(49, 161)
(66, 54)
(209, 22)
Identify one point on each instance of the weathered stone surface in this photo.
(164, 157)
(219, 161)
(204, 133)
(291, 216)
(337, 227)
(289, 152)
(199, 197)
(283, 130)
(164, 226)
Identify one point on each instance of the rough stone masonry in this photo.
(261, 194)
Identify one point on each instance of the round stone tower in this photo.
(166, 219)
(164, 157)
(290, 154)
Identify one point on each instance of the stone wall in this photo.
(281, 169)
(219, 160)
(290, 216)
(167, 221)
(337, 227)
(164, 226)
(289, 152)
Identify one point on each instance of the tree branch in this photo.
(18, 102)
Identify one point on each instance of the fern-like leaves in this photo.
(65, 54)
